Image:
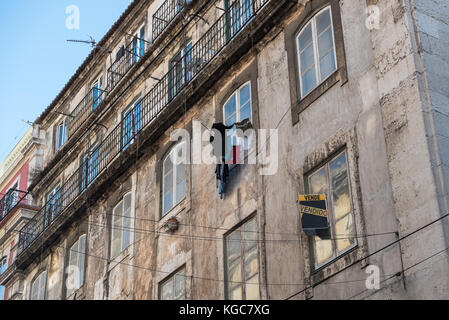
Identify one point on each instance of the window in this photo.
(332, 180)
(237, 109)
(174, 288)
(131, 123)
(121, 226)
(53, 205)
(97, 92)
(89, 170)
(138, 45)
(38, 287)
(238, 14)
(12, 196)
(174, 177)
(316, 51)
(242, 263)
(180, 70)
(61, 134)
(76, 267)
(3, 266)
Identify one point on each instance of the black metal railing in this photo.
(166, 13)
(130, 55)
(10, 200)
(144, 112)
(83, 110)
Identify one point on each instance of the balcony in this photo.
(82, 111)
(10, 201)
(166, 13)
(126, 58)
(147, 111)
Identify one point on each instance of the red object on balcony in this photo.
(236, 155)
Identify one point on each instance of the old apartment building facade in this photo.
(356, 93)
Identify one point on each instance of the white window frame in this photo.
(41, 282)
(315, 50)
(239, 141)
(119, 230)
(63, 125)
(77, 259)
(136, 35)
(169, 156)
(99, 82)
(330, 205)
(51, 195)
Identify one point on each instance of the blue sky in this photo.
(36, 61)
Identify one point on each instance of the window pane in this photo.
(81, 261)
(345, 232)
(323, 20)
(307, 60)
(42, 284)
(327, 65)
(180, 173)
(168, 183)
(325, 43)
(233, 246)
(235, 273)
(305, 38)
(318, 183)
(308, 81)
(230, 109)
(251, 263)
(167, 290)
(180, 191)
(116, 230)
(35, 289)
(168, 165)
(252, 288)
(236, 293)
(323, 250)
(340, 186)
(126, 221)
(245, 95)
(245, 112)
(168, 202)
(180, 286)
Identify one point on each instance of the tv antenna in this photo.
(92, 43)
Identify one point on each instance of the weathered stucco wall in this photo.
(389, 114)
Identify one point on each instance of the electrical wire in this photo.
(370, 255)
(113, 261)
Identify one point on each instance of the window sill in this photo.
(120, 258)
(339, 75)
(173, 213)
(333, 267)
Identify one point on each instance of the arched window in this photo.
(236, 109)
(316, 51)
(174, 177)
(39, 286)
(76, 268)
(121, 226)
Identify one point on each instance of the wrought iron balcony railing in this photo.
(144, 112)
(86, 106)
(166, 13)
(127, 57)
(10, 200)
